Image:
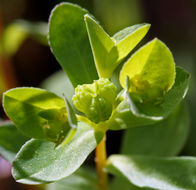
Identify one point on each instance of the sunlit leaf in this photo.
(128, 38)
(101, 45)
(36, 112)
(108, 51)
(39, 162)
(177, 173)
(151, 71)
(125, 115)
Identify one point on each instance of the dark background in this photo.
(174, 22)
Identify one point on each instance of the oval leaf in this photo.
(69, 43)
(11, 141)
(35, 112)
(39, 162)
(151, 71)
(177, 173)
(151, 139)
(173, 97)
(125, 115)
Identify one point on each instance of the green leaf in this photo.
(107, 51)
(69, 43)
(124, 115)
(177, 173)
(82, 179)
(128, 38)
(39, 162)
(173, 97)
(36, 112)
(101, 45)
(151, 71)
(11, 141)
(165, 138)
(73, 122)
(123, 118)
(71, 114)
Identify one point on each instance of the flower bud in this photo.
(95, 100)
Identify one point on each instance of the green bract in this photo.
(37, 113)
(151, 71)
(95, 100)
(109, 51)
(149, 105)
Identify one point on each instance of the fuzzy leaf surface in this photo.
(101, 45)
(69, 43)
(35, 112)
(151, 71)
(173, 173)
(40, 162)
(128, 38)
(109, 51)
(132, 114)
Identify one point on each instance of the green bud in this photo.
(95, 100)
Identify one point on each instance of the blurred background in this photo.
(26, 59)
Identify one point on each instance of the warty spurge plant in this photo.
(151, 90)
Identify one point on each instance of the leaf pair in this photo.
(151, 141)
(110, 51)
(130, 113)
(40, 161)
(69, 42)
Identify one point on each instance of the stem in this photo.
(100, 159)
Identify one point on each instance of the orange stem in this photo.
(100, 158)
